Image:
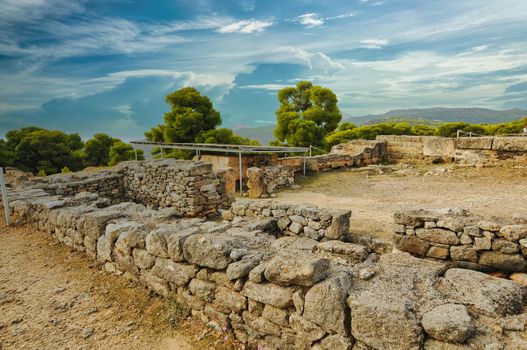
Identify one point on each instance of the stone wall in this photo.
(190, 187)
(312, 222)
(289, 292)
(462, 150)
(262, 182)
(108, 184)
(467, 240)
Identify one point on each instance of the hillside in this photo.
(263, 134)
(440, 114)
(424, 116)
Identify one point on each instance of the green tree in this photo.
(121, 151)
(190, 114)
(97, 149)
(192, 119)
(306, 114)
(38, 149)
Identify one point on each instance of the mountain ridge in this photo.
(475, 115)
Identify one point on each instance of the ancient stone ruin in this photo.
(282, 276)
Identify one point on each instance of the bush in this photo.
(41, 173)
(65, 170)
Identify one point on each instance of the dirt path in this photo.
(53, 298)
(373, 199)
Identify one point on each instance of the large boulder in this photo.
(448, 322)
(210, 250)
(304, 269)
(325, 304)
(384, 310)
(269, 293)
(489, 295)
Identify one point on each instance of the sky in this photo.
(92, 66)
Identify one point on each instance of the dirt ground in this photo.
(373, 199)
(54, 298)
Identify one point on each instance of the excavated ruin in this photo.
(287, 276)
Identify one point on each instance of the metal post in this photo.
(304, 164)
(241, 172)
(5, 201)
(135, 151)
(310, 148)
(162, 154)
(458, 134)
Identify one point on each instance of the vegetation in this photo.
(97, 149)
(121, 151)
(42, 151)
(306, 115)
(192, 118)
(347, 131)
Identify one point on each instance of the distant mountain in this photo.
(440, 114)
(263, 134)
(425, 116)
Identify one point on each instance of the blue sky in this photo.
(106, 65)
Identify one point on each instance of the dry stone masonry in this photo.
(281, 276)
(192, 188)
(262, 182)
(467, 240)
(293, 220)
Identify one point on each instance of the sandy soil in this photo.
(374, 198)
(54, 298)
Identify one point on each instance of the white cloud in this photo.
(373, 43)
(246, 27)
(310, 20)
(270, 87)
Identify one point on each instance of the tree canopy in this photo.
(307, 113)
(97, 149)
(192, 119)
(34, 149)
(42, 151)
(121, 151)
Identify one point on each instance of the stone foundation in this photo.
(274, 291)
(192, 188)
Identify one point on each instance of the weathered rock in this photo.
(268, 293)
(135, 238)
(339, 225)
(302, 269)
(449, 322)
(243, 267)
(353, 253)
(482, 243)
(336, 342)
(383, 311)
(489, 295)
(261, 324)
(513, 232)
(464, 252)
(520, 278)
(325, 305)
(432, 344)
(438, 252)
(179, 274)
(452, 223)
(275, 315)
(255, 182)
(305, 329)
(505, 246)
(202, 289)
(104, 249)
(175, 243)
(438, 235)
(210, 250)
(501, 261)
(157, 284)
(156, 244)
(411, 244)
(143, 259)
